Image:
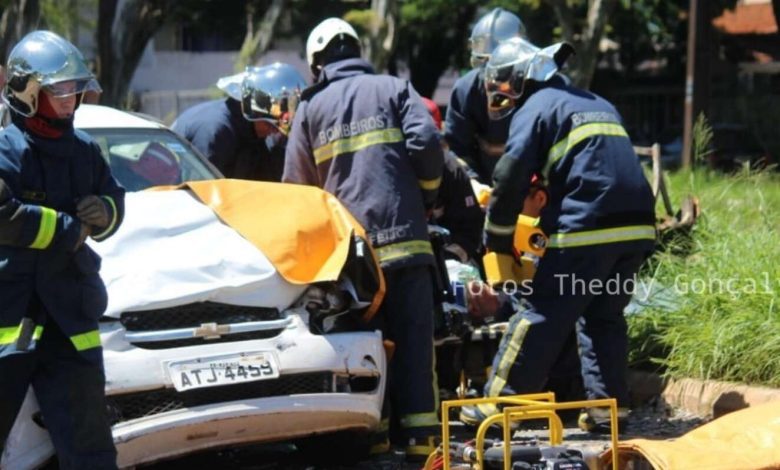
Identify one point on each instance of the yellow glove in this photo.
(482, 191)
(500, 267)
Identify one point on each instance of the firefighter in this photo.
(471, 135)
(55, 190)
(368, 139)
(244, 135)
(599, 219)
(457, 208)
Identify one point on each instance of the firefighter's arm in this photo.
(422, 143)
(511, 182)
(104, 210)
(37, 227)
(461, 214)
(460, 131)
(299, 164)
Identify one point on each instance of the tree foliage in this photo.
(17, 19)
(427, 36)
(124, 29)
(259, 35)
(378, 29)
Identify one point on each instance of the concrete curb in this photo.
(706, 398)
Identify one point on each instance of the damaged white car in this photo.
(232, 308)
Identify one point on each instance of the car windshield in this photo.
(142, 158)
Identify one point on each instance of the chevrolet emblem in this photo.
(211, 331)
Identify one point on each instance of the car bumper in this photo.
(263, 420)
(140, 376)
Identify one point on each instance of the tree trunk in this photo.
(586, 42)
(18, 18)
(124, 29)
(382, 37)
(73, 25)
(258, 39)
(430, 57)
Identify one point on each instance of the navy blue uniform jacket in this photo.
(369, 140)
(222, 134)
(598, 191)
(470, 133)
(39, 233)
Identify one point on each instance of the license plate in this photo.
(215, 371)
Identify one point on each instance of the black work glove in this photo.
(94, 211)
(84, 231)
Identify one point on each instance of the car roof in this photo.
(91, 116)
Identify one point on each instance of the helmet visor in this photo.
(481, 45)
(496, 76)
(500, 104)
(260, 106)
(72, 87)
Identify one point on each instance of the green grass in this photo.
(721, 331)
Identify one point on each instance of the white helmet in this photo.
(323, 34)
(514, 62)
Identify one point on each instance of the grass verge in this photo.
(724, 283)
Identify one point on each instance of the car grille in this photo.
(194, 315)
(148, 403)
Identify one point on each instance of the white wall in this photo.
(183, 70)
(169, 82)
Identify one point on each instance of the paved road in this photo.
(652, 420)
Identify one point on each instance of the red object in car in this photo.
(158, 165)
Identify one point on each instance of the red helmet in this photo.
(433, 108)
(158, 165)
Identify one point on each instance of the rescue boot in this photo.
(473, 416)
(596, 420)
(379, 440)
(419, 448)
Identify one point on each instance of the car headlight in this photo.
(329, 309)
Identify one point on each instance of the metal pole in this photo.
(697, 72)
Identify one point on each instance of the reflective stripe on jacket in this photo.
(42, 275)
(368, 139)
(598, 191)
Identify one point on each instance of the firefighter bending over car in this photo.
(244, 135)
(55, 191)
(368, 139)
(472, 137)
(456, 208)
(599, 219)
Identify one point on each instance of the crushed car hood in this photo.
(172, 250)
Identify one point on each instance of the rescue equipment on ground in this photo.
(505, 454)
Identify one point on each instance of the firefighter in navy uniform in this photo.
(471, 135)
(599, 218)
(244, 134)
(55, 190)
(456, 207)
(368, 139)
